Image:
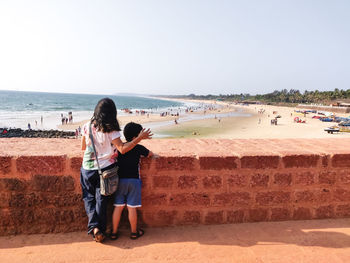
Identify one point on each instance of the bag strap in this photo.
(93, 146)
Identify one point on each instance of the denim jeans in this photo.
(95, 203)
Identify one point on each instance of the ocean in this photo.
(18, 108)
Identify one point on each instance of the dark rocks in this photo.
(10, 133)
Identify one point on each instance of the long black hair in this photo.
(105, 116)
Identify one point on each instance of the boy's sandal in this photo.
(98, 236)
(114, 236)
(137, 234)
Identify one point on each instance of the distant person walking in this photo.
(106, 135)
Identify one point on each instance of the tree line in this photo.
(283, 96)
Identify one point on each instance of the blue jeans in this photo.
(95, 203)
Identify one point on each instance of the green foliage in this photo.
(284, 96)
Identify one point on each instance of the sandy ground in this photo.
(255, 125)
(280, 242)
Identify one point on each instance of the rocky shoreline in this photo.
(11, 133)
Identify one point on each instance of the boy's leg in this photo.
(117, 212)
(133, 218)
(134, 201)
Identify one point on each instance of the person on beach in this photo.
(105, 131)
(129, 188)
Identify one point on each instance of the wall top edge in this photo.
(195, 148)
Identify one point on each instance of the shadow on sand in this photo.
(334, 233)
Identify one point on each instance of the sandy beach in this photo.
(224, 123)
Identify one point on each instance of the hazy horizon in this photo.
(174, 47)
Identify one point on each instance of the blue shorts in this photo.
(128, 193)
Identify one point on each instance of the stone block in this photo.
(304, 178)
(154, 199)
(327, 177)
(52, 183)
(180, 199)
(6, 219)
(66, 200)
(260, 162)
(302, 213)
(282, 179)
(306, 196)
(344, 177)
(188, 182)
(201, 199)
(5, 165)
(166, 218)
(5, 200)
(341, 160)
(214, 218)
(272, 198)
(175, 163)
(257, 215)
(41, 164)
(259, 180)
(75, 163)
(323, 195)
(325, 212)
(163, 181)
(343, 210)
(210, 182)
(19, 200)
(145, 164)
(13, 184)
(298, 161)
(192, 217)
(236, 216)
(218, 163)
(325, 161)
(279, 214)
(342, 195)
(237, 180)
(232, 199)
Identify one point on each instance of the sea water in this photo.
(18, 108)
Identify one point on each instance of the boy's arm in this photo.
(125, 147)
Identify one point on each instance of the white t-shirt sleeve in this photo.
(115, 135)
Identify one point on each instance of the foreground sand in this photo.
(267, 242)
(257, 125)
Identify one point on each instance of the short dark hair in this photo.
(132, 130)
(105, 116)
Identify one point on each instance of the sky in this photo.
(174, 47)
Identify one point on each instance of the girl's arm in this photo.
(125, 147)
(83, 143)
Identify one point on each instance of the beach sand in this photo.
(255, 125)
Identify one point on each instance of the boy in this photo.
(129, 188)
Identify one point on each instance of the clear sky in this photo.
(174, 47)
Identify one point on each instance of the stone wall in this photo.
(190, 182)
